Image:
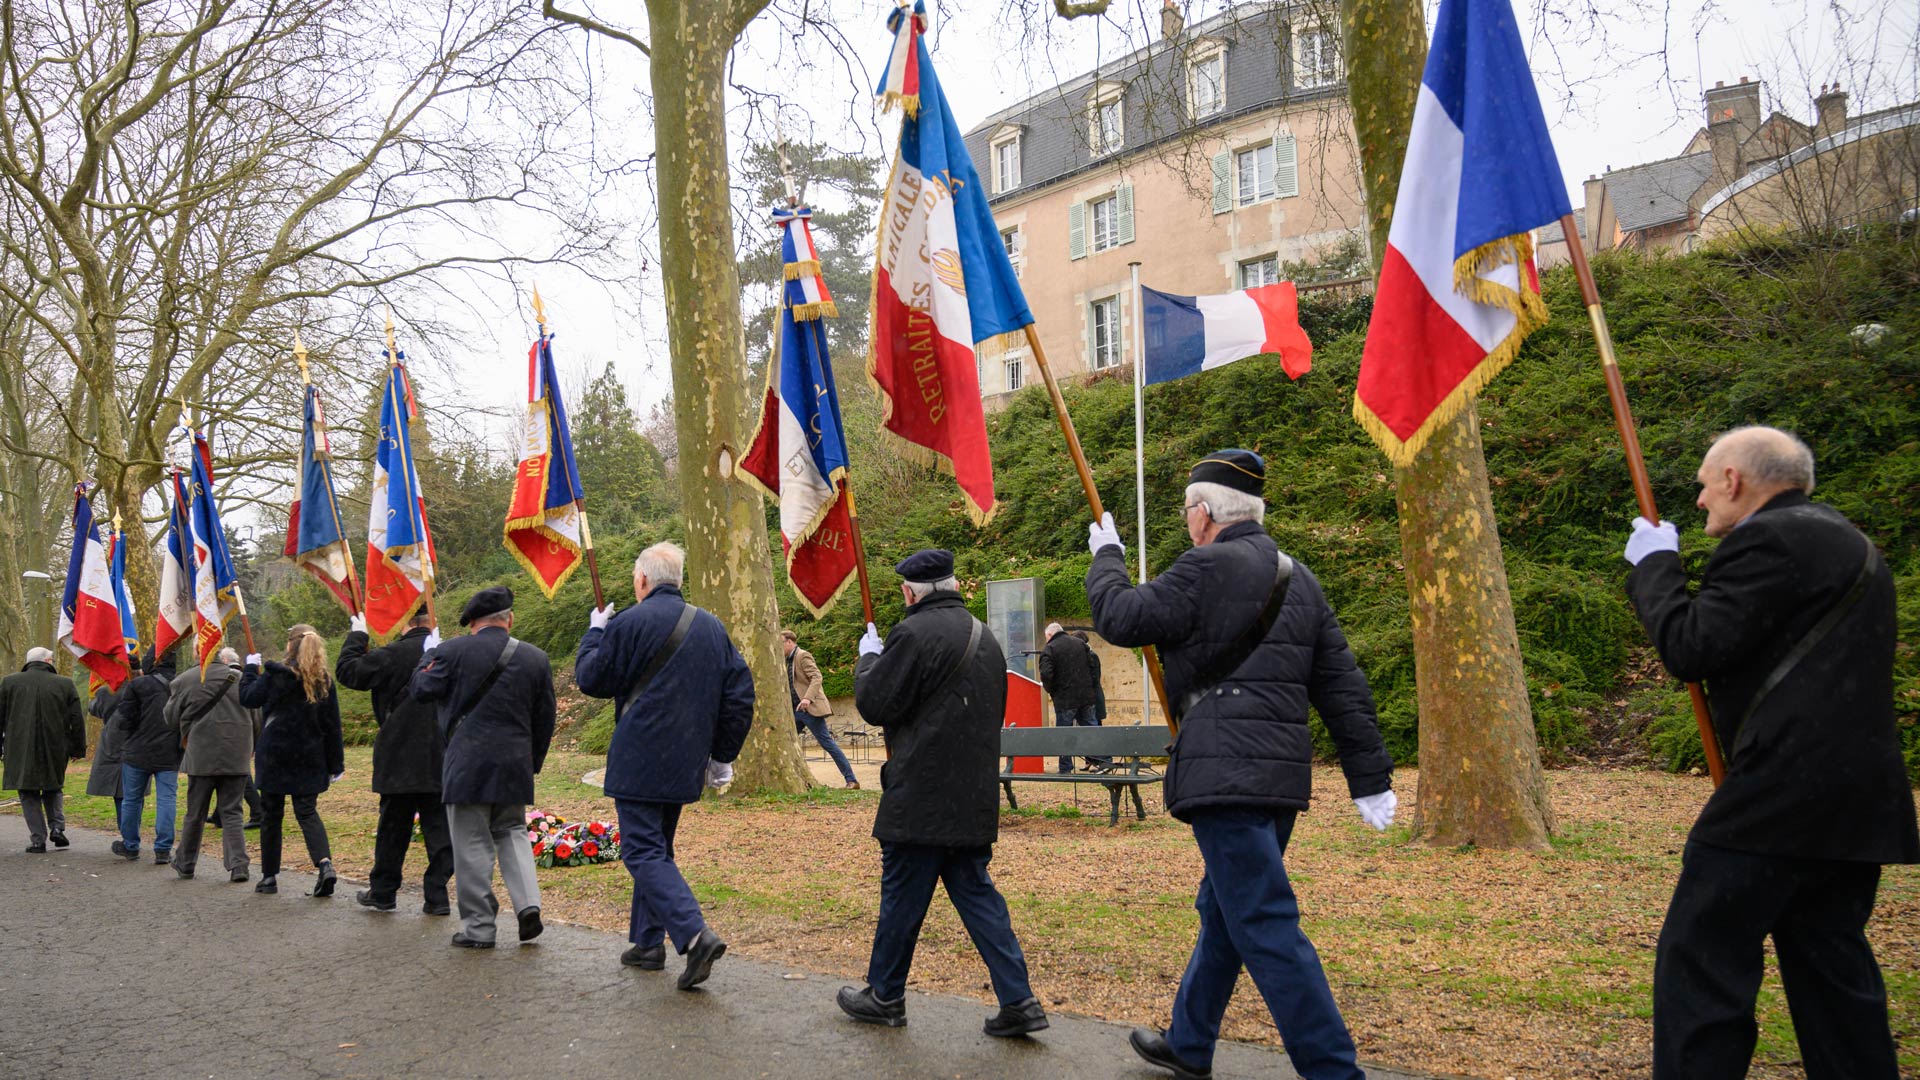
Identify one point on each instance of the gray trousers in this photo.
(482, 832)
(43, 809)
(229, 794)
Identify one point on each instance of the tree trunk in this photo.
(728, 561)
(1480, 777)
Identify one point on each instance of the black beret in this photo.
(489, 601)
(929, 565)
(1241, 470)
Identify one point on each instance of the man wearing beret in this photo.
(1248, 642)
(938, 689)
(495, 695)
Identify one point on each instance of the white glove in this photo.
(357, 623)
(598, 619)
(719, 774)
(335, 778)
(1377, 810)
(432, 642)
(253, 660)
(1648, 538)
(870, 642)
(1102, 534)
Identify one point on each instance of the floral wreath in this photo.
(559, 842)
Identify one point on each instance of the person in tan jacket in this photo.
(810, 705)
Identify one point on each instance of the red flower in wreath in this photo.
(598, 828)
(563, 850)
(590, 849)
(539, 846)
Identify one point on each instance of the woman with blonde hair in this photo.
(299, 750)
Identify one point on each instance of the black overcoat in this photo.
(42, 727)
(941, 785)
(104, 777)
(494, 752)
(1246, 742)
(299, 748)
(1067, 671)
(150, 742)
(1816, 771)
(409, 751)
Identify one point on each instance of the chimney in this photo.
(1740, 103)
(1831, 109)
(1723, 139)
(1170, 21)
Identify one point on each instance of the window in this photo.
(1006, 164)
(1102, 222)
(1206, 84)
(1255, 174)
(1316, 57)
(1109, 130)
(1016, 370)
(1253, 167)
(1105, 319)
(1106, 222)
(1010, 239)
(1261, 271)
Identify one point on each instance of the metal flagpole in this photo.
(1140, 463)
(1636, 464)
(580, 504)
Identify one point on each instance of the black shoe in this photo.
(435, 909)
(268, 884)
(36, 849)
(645, 958)
(1153, 1049)
(163, 858)
(185, 872)
(238, 876)
(366, 899)
(530, 926)
(868, 1009)
(324, 886)
(462, 941)
(59, 840)
(212, 820)
(705, 950)
(1023, 1018)
(130, 854)
(252, 823)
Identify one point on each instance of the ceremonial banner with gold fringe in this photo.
(1458, 293)
(544, 524)
(400, 565)
(316, 540)
(90, 626)
(216, 586)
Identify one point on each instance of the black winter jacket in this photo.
(1246, 742)
(492, 755)
(409, 750)
(299, 747)
(941, 786)
(1068, 671)
(150, 742)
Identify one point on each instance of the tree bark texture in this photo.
(728, 561)
(1480, 776)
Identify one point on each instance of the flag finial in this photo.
(539, 310)
(393, 351)
(300, 356)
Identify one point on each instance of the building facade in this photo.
(1212, 157)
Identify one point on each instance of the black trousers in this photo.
(306, 811)
(1707, 971)
(394, 835)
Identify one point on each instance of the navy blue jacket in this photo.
(1246, 743)
(698, 706)
(491, 757)
(299, 747)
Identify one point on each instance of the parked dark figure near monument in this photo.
(149, 754)
(938, 688)
(299, 752)
(1248, 642)
(1792, 630)
(1071, 675)
(216, 736)
(42, 727)
(408, 758)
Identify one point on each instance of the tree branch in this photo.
(548, 9)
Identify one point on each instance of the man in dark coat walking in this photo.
(1248, 641)
(149, 754)
(937, 688)
(495, 694)
(216, 735)
(683, 696)
(1793, 631)
(42, 727)
(408, 756)
(1071, 677)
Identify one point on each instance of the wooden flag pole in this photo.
(406, 462)
(1636, 464)
(333, 504)
(1152, 655)
(580, 504)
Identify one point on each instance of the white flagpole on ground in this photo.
(1140, 463)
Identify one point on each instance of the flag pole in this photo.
(406, 461)
(1140, 462)
(580, 504)
(1636, 464)
(1149, 654)
(333, 505)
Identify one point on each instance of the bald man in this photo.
(1792, 630)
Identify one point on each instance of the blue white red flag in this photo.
(798, 453)
(1190, 334)
(399, 546)
(942, 280)
(316, 539)
(90, 625)
(1457, 292)
(216, 588)
(545, 528)
(173, 619)
(129, 622)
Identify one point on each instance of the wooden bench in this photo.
(1125, 747)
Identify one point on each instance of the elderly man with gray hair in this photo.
(682, 697)
(216, 736)
(42, 727)
(1792, 629)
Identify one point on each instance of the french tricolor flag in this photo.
(90, 623)
(1457, 292)
(1190, 334)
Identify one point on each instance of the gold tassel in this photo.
(794, 271)
(803, 312)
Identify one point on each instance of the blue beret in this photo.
(489, 601)
(1241, 470)
(931, 564)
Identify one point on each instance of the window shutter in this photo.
(1126, 213)
(1222, 182)
(1286, 169)
(1077, 231)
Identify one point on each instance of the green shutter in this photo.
(1222, 182)
(1077, 231)
(1286, 168)
(1126, 213)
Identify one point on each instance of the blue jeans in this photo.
(1086, 716)
(1248, 916)
(663, 905)
(133, 799)
(817, 725)
(907, 876)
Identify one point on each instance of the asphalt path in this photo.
(118, 969)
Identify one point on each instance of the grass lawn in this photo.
(1484, 963)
